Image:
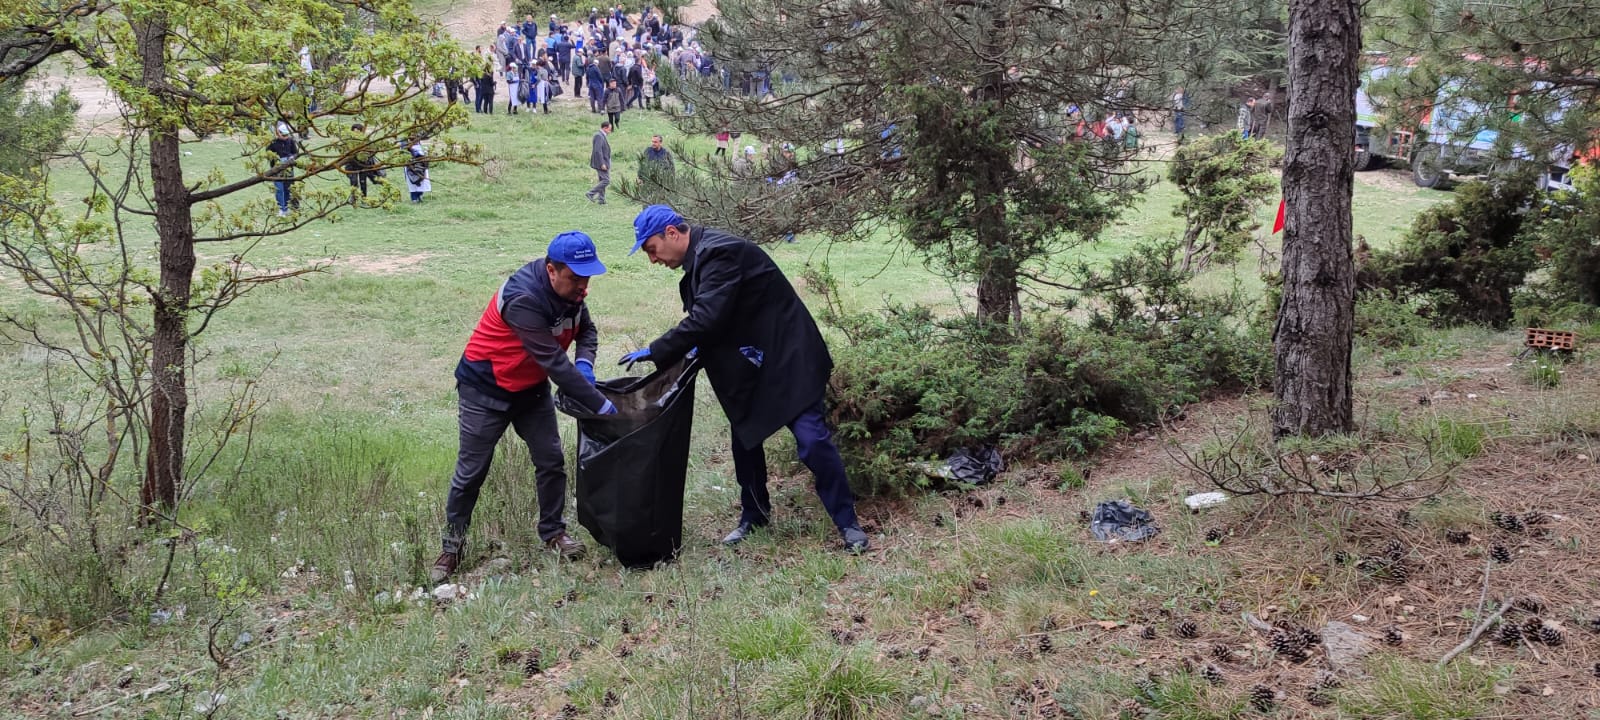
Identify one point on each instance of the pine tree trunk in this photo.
(997, 276)
(169, 401)
(1315, 327)
(997, 294)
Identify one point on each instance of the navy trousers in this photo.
(483, 421)
(814, 443)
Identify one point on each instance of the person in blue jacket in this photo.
(503, 379)
(762, 352)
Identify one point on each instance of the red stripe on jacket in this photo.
(496, 342)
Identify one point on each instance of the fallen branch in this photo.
(1472, 637)
(1531, 648)
(166, 685)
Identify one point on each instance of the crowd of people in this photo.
(513, 359)
(610, 60)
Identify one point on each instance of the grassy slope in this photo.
(352, 457)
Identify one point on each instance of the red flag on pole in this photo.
(1277, 225)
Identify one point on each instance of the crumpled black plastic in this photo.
(1121, 520)
(975, 467)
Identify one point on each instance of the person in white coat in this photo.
(417, 173)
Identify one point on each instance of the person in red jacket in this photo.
(503, 379)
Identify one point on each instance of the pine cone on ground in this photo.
(1263, 698)
(1595, 670)
(568, 711)
(1508, 522)
(1214, 676)
(1222, 653)
(1319, 694)
(1500, 554)
(1534, 518)
(1215, 535)
(1046, 645)
(531, 664)
(1509, 633)
(1393, 636)
(610, 699)
(1405, 518)
(1394, 550)
(1289, 646)
(1148, 632)
(1550, 634)
(1530, 603)
(1308, 637)
(1187, 630)
(1457, 537)
(1530, 627)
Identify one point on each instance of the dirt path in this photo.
(98, 109)
(473, 22)
(697, 12)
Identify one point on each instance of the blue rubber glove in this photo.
(633, 357)
(692, 353)
(586, 369)
(608, 409)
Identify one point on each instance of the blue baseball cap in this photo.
(575, 250)
(652, 221)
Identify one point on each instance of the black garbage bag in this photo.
(1121, 520)
(631, 465)
(975, 467)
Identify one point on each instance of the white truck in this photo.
(1451, 139)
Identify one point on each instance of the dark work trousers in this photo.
(534, 419)
(814, 443)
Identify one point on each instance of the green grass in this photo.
(351, 458)
(1408, 690)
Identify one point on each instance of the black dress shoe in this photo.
(855, 539)
(740, 533)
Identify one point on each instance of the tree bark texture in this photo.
(1314, 332)
(169, 403)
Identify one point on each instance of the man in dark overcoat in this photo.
(600, 162)
(762, 352)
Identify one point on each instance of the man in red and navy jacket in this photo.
(503, 379)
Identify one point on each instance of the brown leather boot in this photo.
(568, 546)
(444, 567)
